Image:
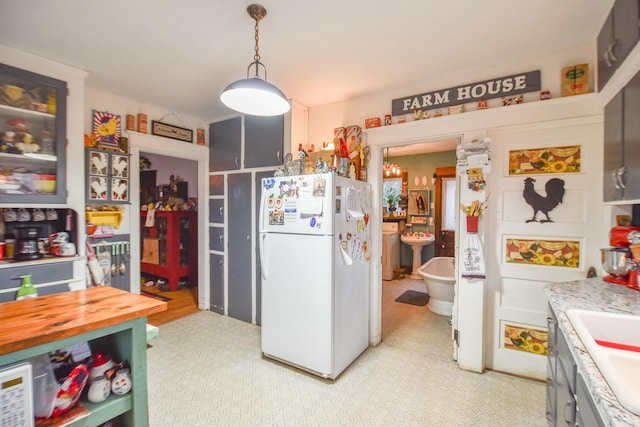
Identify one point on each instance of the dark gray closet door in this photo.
(216, 283)
(239, 247)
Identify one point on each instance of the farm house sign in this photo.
(495, 88)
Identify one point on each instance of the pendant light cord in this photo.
(256, 57)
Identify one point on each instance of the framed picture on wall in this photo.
(107, 128)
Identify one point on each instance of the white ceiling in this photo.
(181, 54)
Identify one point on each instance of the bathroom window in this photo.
(391, 190)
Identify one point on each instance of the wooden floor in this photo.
(183, 302)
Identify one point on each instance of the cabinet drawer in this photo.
(40, 276)
(566, 360)
(587, 410)
(216, 284)
(216, 238)
(216, 185)
(216, 211)
(44, 273)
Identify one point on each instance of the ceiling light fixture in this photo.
(254, 95)
(390, 169)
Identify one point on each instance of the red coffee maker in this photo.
(621, 259)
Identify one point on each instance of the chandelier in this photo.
(390, 169)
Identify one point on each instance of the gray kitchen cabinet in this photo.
(225, 138)
(243, 150)
(263, 141)
(618, 36)
(216, 185)
(631, 146)
(216, 284)
(107, 176)
(216, 239)
(216, 211)
(240, 302)
(33, 147)
(605, 43)
(586, 412)
(569, 402)
(49, 277)
(622, 144)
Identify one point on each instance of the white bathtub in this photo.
(439, 275)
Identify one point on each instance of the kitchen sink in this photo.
(613, 342)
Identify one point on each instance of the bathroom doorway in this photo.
(423, 331)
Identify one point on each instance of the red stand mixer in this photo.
(621, 260)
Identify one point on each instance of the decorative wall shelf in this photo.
(113, 218)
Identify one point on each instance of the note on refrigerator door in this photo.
(310, 206)
(354, 207)
(356, 249)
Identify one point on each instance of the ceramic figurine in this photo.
(321, 167)
(99, 389)
(121, 383)
(352, 170)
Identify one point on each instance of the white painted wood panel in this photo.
(517, 289)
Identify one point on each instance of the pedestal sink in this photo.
(417, 241)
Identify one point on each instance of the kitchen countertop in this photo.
(34, 321)
(597, 295)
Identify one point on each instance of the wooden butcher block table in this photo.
(107, 318)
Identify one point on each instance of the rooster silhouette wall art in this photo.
(545, 204)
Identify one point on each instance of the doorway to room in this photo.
(420, 163)
(196, 157)
(445, 213)
(168, 268)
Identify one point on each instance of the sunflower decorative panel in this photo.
(543, 252)
(523, 338)
(529, 161)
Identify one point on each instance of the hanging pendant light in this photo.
(254, 95)
(390, 168)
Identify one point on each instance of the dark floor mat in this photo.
(414, 298)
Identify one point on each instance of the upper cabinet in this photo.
(225, 138)
(622, 144)
(33, 137)
(107, 176)
(617, 38)
(263, 143)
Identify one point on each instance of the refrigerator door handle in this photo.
(263, 265)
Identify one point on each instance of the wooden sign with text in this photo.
(495, 88)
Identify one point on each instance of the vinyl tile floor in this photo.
(207, 370)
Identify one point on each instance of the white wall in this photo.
(100, 100)
(323, 119)
(467, 126)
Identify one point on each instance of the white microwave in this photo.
(16, 396)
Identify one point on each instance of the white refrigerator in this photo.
(314, 252)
